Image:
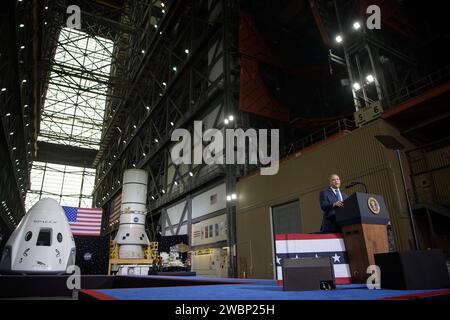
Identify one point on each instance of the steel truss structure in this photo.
(385, 55)
(70, 186)
(180, 78)
(17, 108)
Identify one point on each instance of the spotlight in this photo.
(230, 117)
(234, 196)
(22, 47)
(164, 84)
(162, 4)
(174, 68)
(186, 51)
(226, 121)
(175, 183)
(228, 198)
(156, 140)
(356, 86)
(191, 174)
(144, 154)
(339, 39)
(356, 25)
(143, 51)
(8, 114)
(171, 123)
(163, 191)
(370, 78)
(3, 89)
(21, 25)
(156, 26)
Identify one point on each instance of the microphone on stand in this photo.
(355, 183)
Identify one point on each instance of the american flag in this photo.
(299, 245)
(84, 222)
(115, 210)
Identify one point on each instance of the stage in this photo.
(187, 288)
(251, 289)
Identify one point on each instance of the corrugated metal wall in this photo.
(356, 156)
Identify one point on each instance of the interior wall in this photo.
(356, 156)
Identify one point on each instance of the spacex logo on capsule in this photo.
(227, 150)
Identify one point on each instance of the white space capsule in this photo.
(41, 243)
(131, 235)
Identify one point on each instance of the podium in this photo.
(363, 220)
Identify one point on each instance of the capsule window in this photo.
(44, 237)
(59, 237)
(28, 236)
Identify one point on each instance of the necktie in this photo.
(338, 195)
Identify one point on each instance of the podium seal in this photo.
(373, 205)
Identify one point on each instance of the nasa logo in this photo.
(87, 256)
(136, 219)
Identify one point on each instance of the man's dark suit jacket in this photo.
(327, 198)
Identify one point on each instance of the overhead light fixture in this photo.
(174, 68)
(21, 25)
(147, 107)
(24, 81)
(233, 196)
(156, 26)
(144, 154)
(124, 141)
(163, 191)
(22, 47)
(370, 78)
(14, 148)
(3, 89)
(228, 198)
(175, 183)
(156, 140)
(230, 117)
(356, 25)
(8, 114)
(171, 123)
(162, 4)
(339, 39)
(164, 84)
(11, 133)
(186, 51)
(143, 51)
(46, 8)
(226, 121)
(163, 11)
(191, 174)
(25, 106)
(153, 198)
(134, 126)
(356, 86)
(134, 165)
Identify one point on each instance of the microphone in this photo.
(355, 183)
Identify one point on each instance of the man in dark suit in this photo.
(330, 199)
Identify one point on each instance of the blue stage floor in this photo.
(251, 289)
